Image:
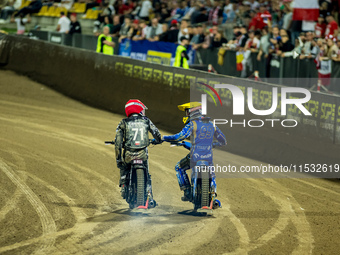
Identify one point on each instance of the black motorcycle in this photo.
(137, 191)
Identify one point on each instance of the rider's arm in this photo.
(185, 133)
(119, 142)
(187, 145)
(220, 137)
(155, 132)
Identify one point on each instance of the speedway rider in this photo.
(132, 135)
(202, 133)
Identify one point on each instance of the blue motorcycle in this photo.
(203, 184)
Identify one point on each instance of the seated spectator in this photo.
(104, 42)
(125, 28)
(21, 22)
(75, 27)
(33, 7)
(63, 23)
(215, 14)
(7, 9)
(198, 37)
(65, 3)
(154, 30)
(91, 4)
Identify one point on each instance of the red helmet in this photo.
(135, 106)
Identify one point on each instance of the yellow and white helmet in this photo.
(193, 110)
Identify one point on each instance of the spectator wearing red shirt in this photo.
(126, 8)
(256, 22)
(264, 15)
(320, 27)
(332, 27)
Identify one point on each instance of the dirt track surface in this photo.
(59, 192)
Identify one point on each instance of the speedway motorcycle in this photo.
(138, 190)
(203, 185)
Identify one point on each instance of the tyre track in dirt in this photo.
(56, 145)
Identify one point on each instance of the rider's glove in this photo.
(120, 164)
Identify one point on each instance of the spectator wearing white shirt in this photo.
(228, 6)
(145, 10)
(254, 4)
(154, 30)
(65, 3)
(63, 23)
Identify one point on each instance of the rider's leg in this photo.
(213, 182)
(182, 177)
(124, 170)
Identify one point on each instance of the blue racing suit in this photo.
(202, 133)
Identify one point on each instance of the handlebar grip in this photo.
(109, 142)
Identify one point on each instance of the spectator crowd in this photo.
(262, 26)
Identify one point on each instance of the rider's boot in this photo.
(187, 195)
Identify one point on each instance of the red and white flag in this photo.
(306, 10)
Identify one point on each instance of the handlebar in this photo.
(152, 141)
(187, 145)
